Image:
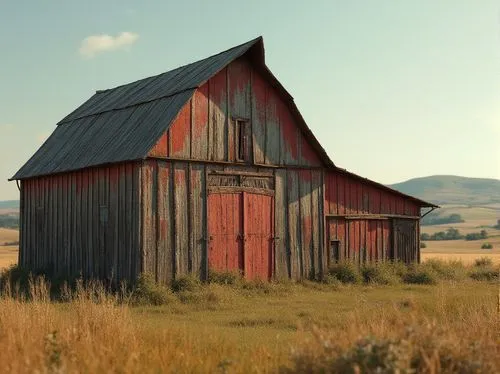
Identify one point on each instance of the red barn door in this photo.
(259, 235)
(225, 227)
(241, 232)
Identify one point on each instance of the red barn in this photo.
(208, 167)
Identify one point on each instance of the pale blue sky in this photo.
(392, 89)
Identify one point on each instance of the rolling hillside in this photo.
(450, 189)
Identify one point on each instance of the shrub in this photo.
(15, 278)
(147, 291)
(483, 261)
(224, 278)
(450, 270)
(346, 272)
(418, 274)
(423, 245)
(381, 273)
(485, 273)
(373, 356)
(187, 283)
(416, 350)
(487, 246)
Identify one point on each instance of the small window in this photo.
(240, 140)
(335, 250)
(103, 214)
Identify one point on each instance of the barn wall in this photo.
(346, 195)
(84, 222)
(174, 202)
(205, 127)
(361, 220)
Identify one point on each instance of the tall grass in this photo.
(395, 341)
(230, 325)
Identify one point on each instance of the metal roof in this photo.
(124, 123)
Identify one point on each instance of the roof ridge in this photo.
(182, 66)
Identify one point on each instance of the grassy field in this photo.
(263, 329)
(476, 219)
(8, 254)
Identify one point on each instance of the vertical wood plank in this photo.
(293, 223)
(280, 221)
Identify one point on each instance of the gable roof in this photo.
(124, 123)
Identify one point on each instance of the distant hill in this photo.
(451, 189)
(9, 204)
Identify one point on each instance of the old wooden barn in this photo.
(206, 167)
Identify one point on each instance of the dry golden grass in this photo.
(224, 329)
(8, 256)
(466, 258)
(8, 235)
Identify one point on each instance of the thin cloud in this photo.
(94, 44)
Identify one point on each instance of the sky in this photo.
(392, 89)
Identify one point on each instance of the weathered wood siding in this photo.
(175, 220)
(205, 127)
(347, 195)
(82, 223)
(360, 221)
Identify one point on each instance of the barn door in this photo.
(241, 233)
(259, 235)
(225, 227)
(405, 241)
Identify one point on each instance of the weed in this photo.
(224, 277)
(483, 262)
(380, 273)
(186, 283)
(420, 274)
(147, 292)
(346, 272)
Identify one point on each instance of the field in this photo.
(261, 329)
(476, 219)
(8, 254)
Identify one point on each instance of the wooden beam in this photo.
(371, 216)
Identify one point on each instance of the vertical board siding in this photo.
(198, 207)
(180, 134)
(164, 260)
(63, 227)
(239, 94)
(282, 260)
(218, 116)
(294, 224)
(148, 227)
(259, 123)
(199, 133)
(204, 128)
(182, 249)
(306, 229)
(362, 240)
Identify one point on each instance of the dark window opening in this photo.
(335, 250)
(240, 140)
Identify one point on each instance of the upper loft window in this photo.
(241, 140)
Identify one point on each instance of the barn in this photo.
(208, 167)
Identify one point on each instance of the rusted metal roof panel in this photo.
(107, 137)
